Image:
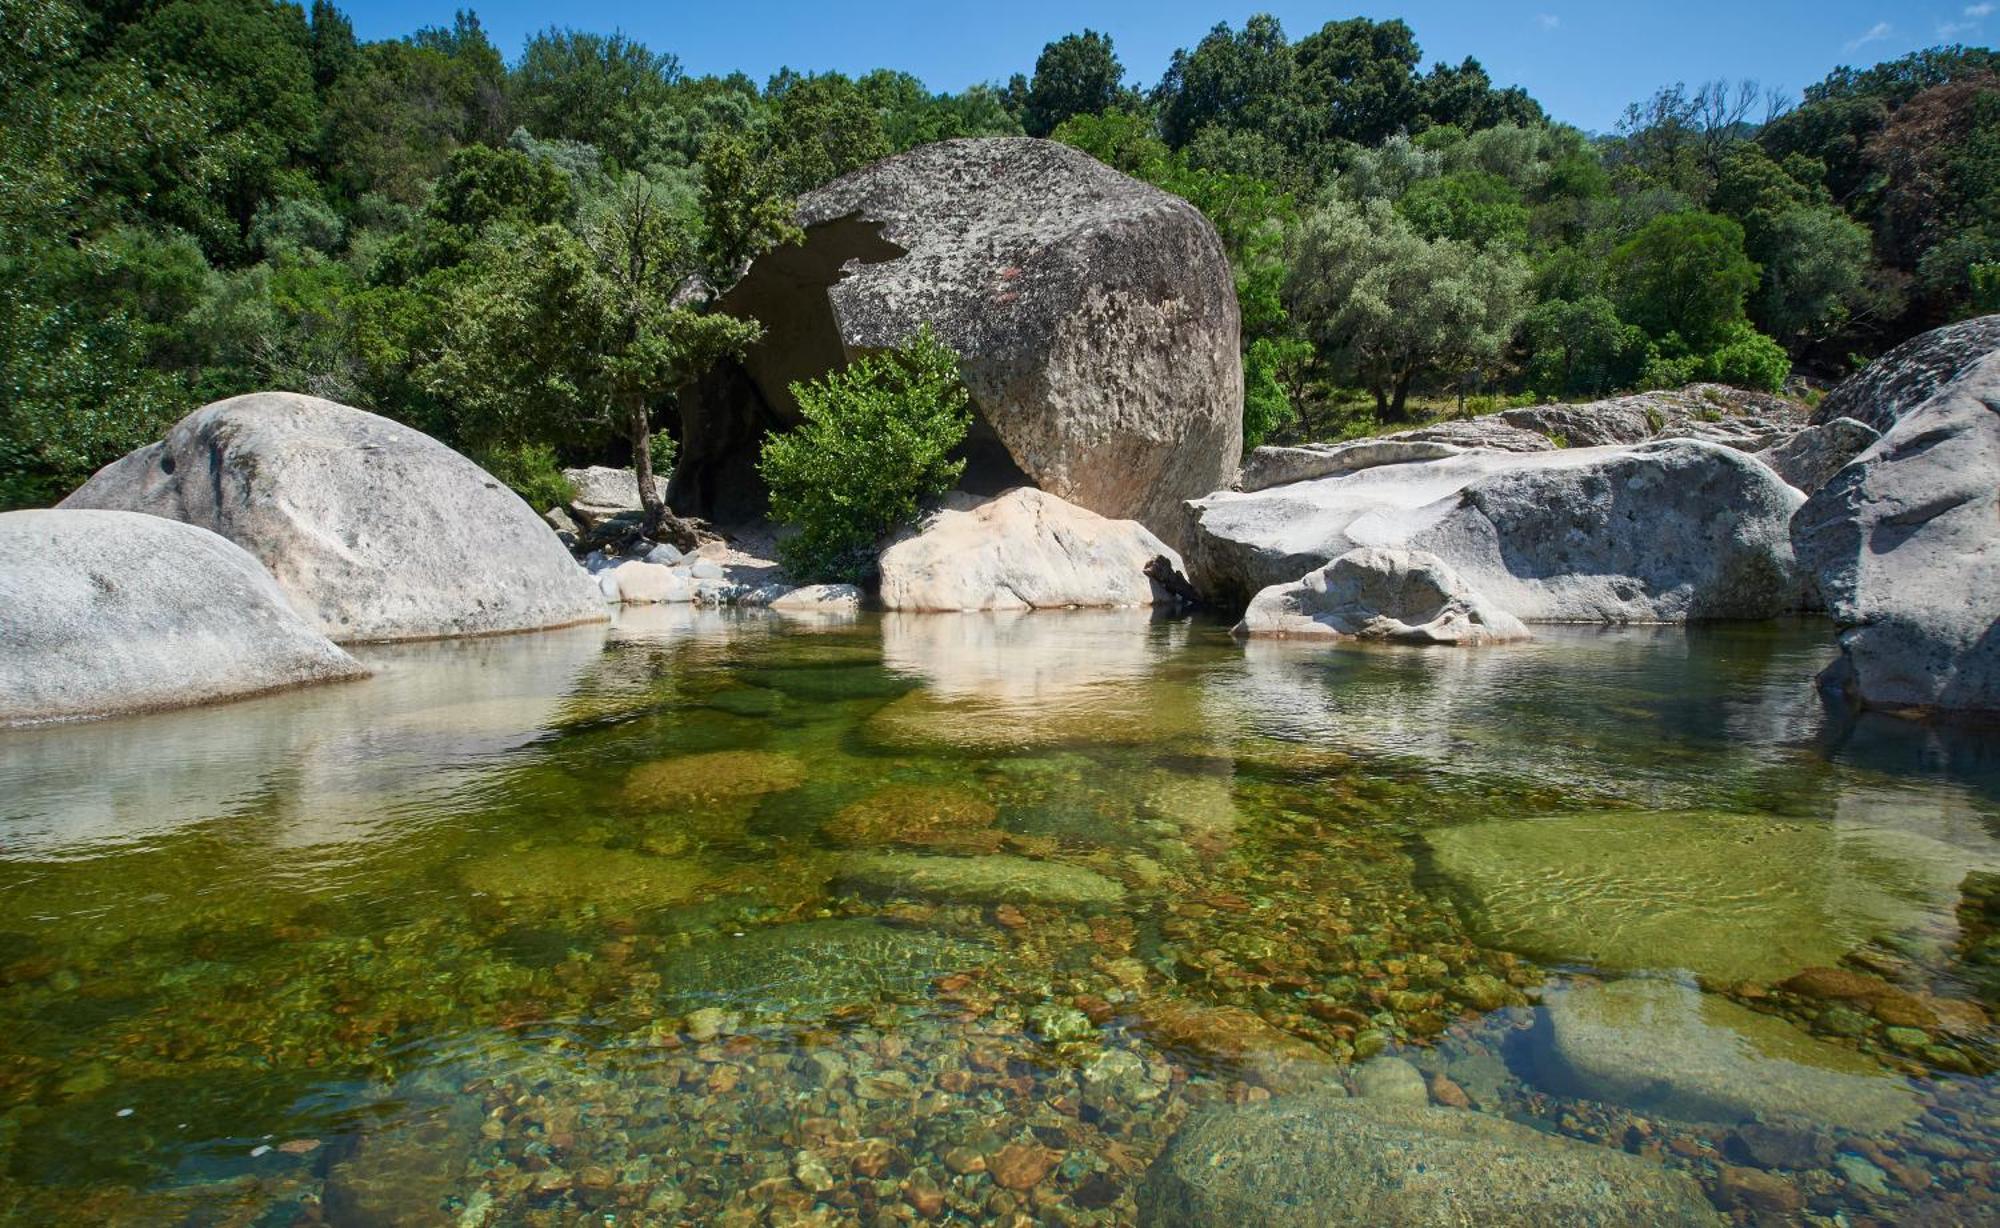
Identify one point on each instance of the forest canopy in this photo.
(205, 197)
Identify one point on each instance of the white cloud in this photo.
(1952, 29)
(1978, 10)
(1549, 21)
(1875, 34)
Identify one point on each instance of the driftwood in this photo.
(1161, 571)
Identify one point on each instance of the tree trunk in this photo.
(659, 524)
(1381, 403)
(1398, 407)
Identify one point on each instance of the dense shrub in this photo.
(531, 471)
(876, 439)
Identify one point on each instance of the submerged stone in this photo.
(997, 879)
(1664, 1047)
(1725, 896)
(1326, 1160)
(916, 814)
(812, 966)
(719, 776)
(568, 876)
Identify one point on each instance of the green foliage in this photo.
(1580, 347)
(1476, 207)
(531, 471)
(1747, 359)
(1684, 274)
(823, 127)
(874, 441)
(743, 213)
(1078, 74)
(605, 90)
(1267, 402)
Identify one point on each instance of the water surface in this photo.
(720, 918)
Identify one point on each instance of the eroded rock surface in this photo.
(1904, 543)
(1381, 594)
(1023, 550)
(1095, 317)
(1809, 458)
(115, 612)
(1911, 374)
(374, 531)
(1321, 1159)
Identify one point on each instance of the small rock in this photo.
(1021, 1166)
(706, 1023)
(1780, 1145)
(665, 554)
(1390, 1079)
(705, 569)
(1752, 1190)
(1449, 1094)
(811, 1172)
(1860, 1172)
(1059, 1024)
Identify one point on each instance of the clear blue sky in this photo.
(1583, 61)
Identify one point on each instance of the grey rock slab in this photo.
(1807, 459)
(116, 612)
(1660, 1046)
(999, 878)
(1375, 593)
(374, 531)
(1904, 543)
(1316, 1159)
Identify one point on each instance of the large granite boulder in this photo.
(1666, 531)
(374, 531)
(1379, 594)
(1321, 1159)
(602, 492)
(113, 612)
(1807, 459)
(1020, 551)
(1911, 374)
(1905, 545)
(1095, 317)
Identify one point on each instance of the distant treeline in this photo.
(205, 197)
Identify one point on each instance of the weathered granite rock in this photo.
(602, 491)
(819, 599)
(1391, 1079)
(1381, 594)
(374, 531)
(1808, 459)
(1911, 374)
(641, 583)
(1904, 546)
(1664, 1047)
(1023, 550)
(1484, 431)
(1716, 413)
(114, 612)
(1666, 531)
(1277, 466)
(1319, 1159)
(1095, 317)
(1623, 420)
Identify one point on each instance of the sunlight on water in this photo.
(710, 917)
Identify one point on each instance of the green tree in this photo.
(1078, 74)
(565, 333)
(743, 213)
(1476, 207)
(1684, 274)
(874, 441)
(1581, 347)
(822, 127)
(1392, 307)
(606, 90)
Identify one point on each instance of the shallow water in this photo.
(718, 918)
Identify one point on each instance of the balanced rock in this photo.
(1904, 546)
(1322, 1159)
(1666, 531)
(1911, 374)
(374, 531)
(1095, 318)
(1023, 550)
(1381, 594)
(114, 612)
(1664, 1047)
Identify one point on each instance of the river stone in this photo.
(1020, 551)
(1276, 466)
(1391, 1079)
(1623, 420)
(1316, 1159)
(409, 1170)
(374, 531)
(1095, 318)
(602, 491)
(114, 612)
(1236, 1042)
(813, 966)
(933, 815)
(1809, 458)
(819, 599)
(1379, 594)
(641, 583)
(1658, 1046)
(706, 779)
(997, 879)
(565, 878)
(1666, 531)
(1902, 544)
(1911, 374)
(1727, 897)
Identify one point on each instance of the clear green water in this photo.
(711, 918)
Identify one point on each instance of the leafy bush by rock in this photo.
(531, 471)
(876, 440)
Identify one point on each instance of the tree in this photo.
(606, 90)
(1475, 207)
(1684, 274)
(822, 128)
(1392, 307)
(873, 441)
(1237, 80)
(743, 214)
(564, 333)
(1355, 80)
(1077, 74)
(1581, 347)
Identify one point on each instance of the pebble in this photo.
(811, 1172)
(1021, 1166)
(1390, 1080)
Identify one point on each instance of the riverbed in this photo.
(713, 917)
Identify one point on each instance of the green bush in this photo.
(531, 471)
(1748, 359)
(875, 440)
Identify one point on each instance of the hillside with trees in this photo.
(517, 256)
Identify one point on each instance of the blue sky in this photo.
(1583, 61)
